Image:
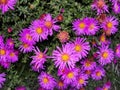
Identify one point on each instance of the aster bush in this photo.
(59, 44)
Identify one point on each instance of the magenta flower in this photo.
(105, 55)
(38, 30)
(2, 79)
(50, 24)
(61, 85)
(70, 76)
(5, 5)
(92, 26)
(12, 56)
(65, 57)
(46, 81)
(79, 26)
(20, 88)
(81, 81)
(106, 86)
(98, 73)
(110, 25)
(5, 64)
(10, 43)
(100, 6)
(61, 71)
(26, 36)
(81, 47)
(88, 65)
(117, 50)
(26, 47)
(38, 59)
(116, 7)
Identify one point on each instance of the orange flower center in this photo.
(60, 83)
(25, 45)
(109, 24)
(48, 24)
(12, 54)
(28, 36)
(81, 81)
(91, 26)
(98, 73)
(2, 52)
(117, 50)
(82, 25)
(70, 75)
(105, 88)
(3, 1)
(102, 38)
(105, 55)
(88, 72)
(78, 48)
(100, 3)
(39, 30)
(45, 80)
(87, 63)
(40, 55)
(65, 57)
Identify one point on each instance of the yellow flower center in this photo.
(117, 50)
(105, 55)
(48, 24)
(2, 52)
(3, 1)
(98, 73)
(70, 75)
(60, 83)
(81, 81)
(45, 80)
(82, 25)
(65, 57)
(78, 48)
(109, 24)
(12, 54)
(102, 38)
(39, 30)
(87, 63)
(25, 45)
(28, 36)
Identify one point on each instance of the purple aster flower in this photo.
(116, 7)
(110, 25)
(38, 59)
(5, 5)
(79, 26)
(92, 26)
(46, 81)
(2, 79)
(10, 43)
(81, 81)
(61, 85)
(81, 47)
(26, 36)
(106, 86)
(50, 24)
(98, 73)
(26, 47)
(61, 71)
(70, 76)
(65, 57)
(88, 65)
(20, 88)
(117, 50)
(38, 30)
(98, 88)
(103, 40)
(105, 55)
(100, 6)
(5, 64)
(3, 53)
(12, 56)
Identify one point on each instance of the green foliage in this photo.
(25, 12)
